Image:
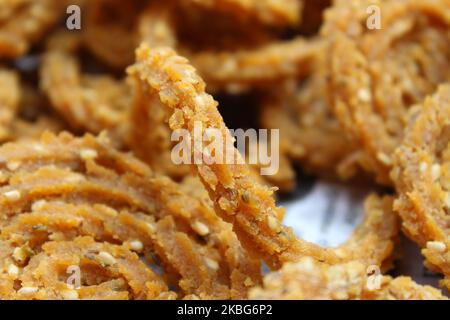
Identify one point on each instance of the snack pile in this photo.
(92, 205)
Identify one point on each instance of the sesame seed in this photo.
(13, 165)
(38, 205)
(273, 223)
(136, 245)
(341, 295)
(88, 154)
(438, 246)
(74, 178)
(13, 270)
(248, 282)
(12, 195)
(274, 189)
(364, 95)
(200, 101)
(20, 254)
(212, 264)
(423, 167)
(106, 259)
(69, 294)
(435, 171)
(447, 200)
(27, 290)
(38, 147)
(384, 158)
(151, 227)
(201, 228)
(110, 211)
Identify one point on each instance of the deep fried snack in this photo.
(371, 245)
(23, 22)
(9, 102)
(87, 102)
(66, 181)
(310, 134)
(309, 279)
(421, 172)
(149, 130)
(241, 70)
(269, 12)
(99, 102)
(237, 198)
(149, 136)
(107, 272)
(109, 31)
(233, 70)
(377, 75)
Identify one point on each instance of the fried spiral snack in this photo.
(108, 271)
(372, 104)
(421, 172)
(309, 279)
(241, 70)
(90, 190)
(249, 206)
(232, 70)
(106, 211)
(23, 22)
(370, 245)
(96, 103)
(149, 136)
(312, 136)
(87, 102)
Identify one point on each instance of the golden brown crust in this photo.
(87, 102)
(421, 175)
(342, 99)
(237, 198)
(121, 201)
(310, 134)
(109, 271)
(24, 22)
(311, 280)
(371, 103)
(241, 70)
(149, 136)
